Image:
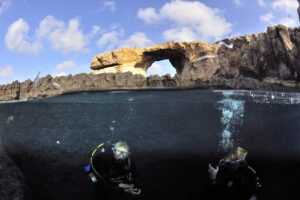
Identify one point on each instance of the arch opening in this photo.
(161, 68)
(171, 59)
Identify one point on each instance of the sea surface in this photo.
(173, 136)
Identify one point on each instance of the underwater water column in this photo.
(232, 111)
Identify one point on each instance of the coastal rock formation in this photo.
(183, 56)
(49, 86)
(273, 54)
(265, 61)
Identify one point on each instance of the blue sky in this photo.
(60, 37)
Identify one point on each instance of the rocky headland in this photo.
(263, 61)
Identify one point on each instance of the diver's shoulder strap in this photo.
(91, 159)
(95, 150)
(251, 169)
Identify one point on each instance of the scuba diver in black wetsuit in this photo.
(233, 179)
(111, 167)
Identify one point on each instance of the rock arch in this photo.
(176, 58)
(184, 56)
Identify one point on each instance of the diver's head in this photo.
(237, 154)
(235, 159)
(121, 150)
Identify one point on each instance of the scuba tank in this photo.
(115, 183)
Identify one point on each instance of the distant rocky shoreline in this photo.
(49, 86)
(264, 61)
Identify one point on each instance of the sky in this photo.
(60, 37)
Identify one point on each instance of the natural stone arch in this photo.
(176, 58)
(191, 60)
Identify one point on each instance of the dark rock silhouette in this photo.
(12, 181)
(299, 9)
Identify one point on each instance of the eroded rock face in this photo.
(49, 86)
(271, 54)
(183, 56)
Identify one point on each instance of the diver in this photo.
(233, 178)
(111, 167)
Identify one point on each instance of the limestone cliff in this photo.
(265, 61)
(272, 54)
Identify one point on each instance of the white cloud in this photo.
(7, 71)
(288, 21)
(268, 18)
(4, 5)
(47, 25)
(110, 39)
(203, 21)
(286, 12)
(94, 31)
(69, 38)
(136, 40)
(63, 37)
(181, 34)
(65, 65)
(16, 38)
(261, 3)
(237, 2)
(60, 74)
(114, 39)
(110, 4)
(148, 15)
(288, 6)
(115, 26)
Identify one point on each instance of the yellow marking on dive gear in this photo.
(91, 159)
